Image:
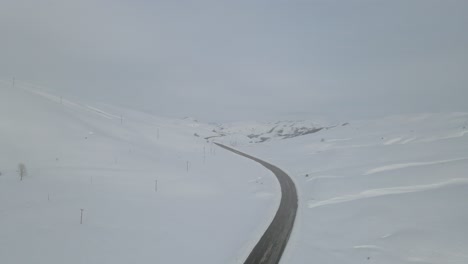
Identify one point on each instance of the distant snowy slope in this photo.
(259, 132)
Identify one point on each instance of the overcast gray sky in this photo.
(231, 60)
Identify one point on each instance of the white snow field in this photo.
(389, 190)
(80, 156)
(393, 190)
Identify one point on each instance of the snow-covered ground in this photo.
(390, 190)
(85, 157)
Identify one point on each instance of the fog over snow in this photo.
(235, 60)
(112, 114)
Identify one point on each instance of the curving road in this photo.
(273, 242)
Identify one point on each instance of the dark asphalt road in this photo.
(273, 242)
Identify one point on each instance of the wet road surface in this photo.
(273, 242)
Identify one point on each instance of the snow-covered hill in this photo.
(209, 206)
(389, 190)
(240, 133)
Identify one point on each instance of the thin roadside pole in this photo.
(81, 217)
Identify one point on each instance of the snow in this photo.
(388, 190)
(394, 191)
(366, 247)
(80, 156)
(392, 141)
(411, 164)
